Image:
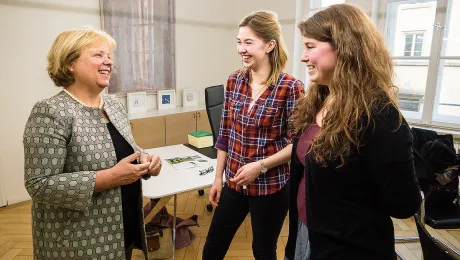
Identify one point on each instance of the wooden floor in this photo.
(16, 238)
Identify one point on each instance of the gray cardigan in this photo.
(65, 144)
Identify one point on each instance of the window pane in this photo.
(447, 102)
(411, 78)
(418, 47)
(408, 45)
(404, 17)
(451, 41)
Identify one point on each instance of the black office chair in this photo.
(432, 247)
(214, 100)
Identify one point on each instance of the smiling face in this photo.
(253, 50)
(94, 66)
(320, 60)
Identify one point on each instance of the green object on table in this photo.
(199, 134)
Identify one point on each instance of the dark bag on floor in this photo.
(159, 237)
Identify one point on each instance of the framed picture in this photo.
(166, 99)
(136, 102)
(190, 97)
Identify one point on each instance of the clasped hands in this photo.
(128, 173)
(244, 176)
(247, 174)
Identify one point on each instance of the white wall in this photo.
(205, 45)
(28, 29)
(206, 33)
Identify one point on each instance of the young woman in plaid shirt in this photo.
(254, 142)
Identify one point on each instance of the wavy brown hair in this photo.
(361, 84)
(266, 26)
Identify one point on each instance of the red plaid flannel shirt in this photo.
(251, 135)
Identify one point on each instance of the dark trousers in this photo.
(267, 216)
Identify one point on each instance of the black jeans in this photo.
(267, 215)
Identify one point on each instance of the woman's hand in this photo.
(214, 193)
(125, 172)
(247, 174)
(154, 163)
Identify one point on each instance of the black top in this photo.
(349, 208)
(129, 193)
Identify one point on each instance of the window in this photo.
(413, 44)
(144, 31)
(423, 36)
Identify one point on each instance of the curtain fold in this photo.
(144, 31)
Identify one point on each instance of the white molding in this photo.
(3, 200)
(15, 200)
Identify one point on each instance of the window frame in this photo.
(433, 87)
(414, 35)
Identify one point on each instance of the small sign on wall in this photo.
(136, 102)
(190, 97)
(166, 99)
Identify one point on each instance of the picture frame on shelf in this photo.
(136, 102)
(190, 97)
(166, 99)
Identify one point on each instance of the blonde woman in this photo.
(81, 165)
(254, 142)
(352, 166)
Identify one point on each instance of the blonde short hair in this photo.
(67, 48)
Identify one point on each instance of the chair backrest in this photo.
(214, 99)
(433, 248)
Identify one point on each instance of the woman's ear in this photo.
(271, 46)
(70, 67)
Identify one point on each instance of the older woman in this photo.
(82, 166)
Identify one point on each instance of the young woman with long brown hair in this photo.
(351, 165)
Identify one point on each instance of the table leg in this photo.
(174, 228)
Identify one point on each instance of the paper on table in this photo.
(188, 162)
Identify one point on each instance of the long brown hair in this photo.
(266, 26)
(360, 86)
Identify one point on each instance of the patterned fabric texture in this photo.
(252, 134)
(65, 143)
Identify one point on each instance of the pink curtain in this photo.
(144, 31)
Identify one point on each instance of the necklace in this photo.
(101, 103)
(258, 88)
(258, 93)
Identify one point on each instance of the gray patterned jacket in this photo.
(65, 144)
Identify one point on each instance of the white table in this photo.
(172, 181)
